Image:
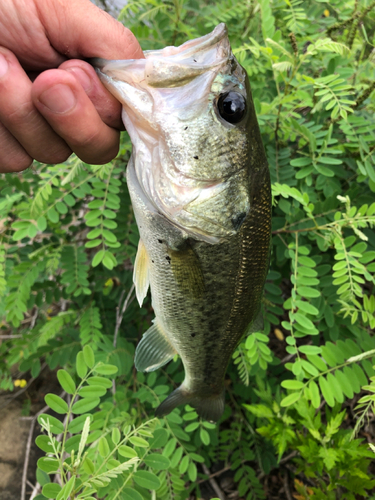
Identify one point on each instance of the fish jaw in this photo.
(170, 111)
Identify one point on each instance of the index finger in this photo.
(78, 29)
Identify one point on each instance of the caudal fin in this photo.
(209, 408)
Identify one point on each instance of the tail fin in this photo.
(209, 408)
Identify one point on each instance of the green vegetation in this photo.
(68, 241)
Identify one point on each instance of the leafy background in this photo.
(300, 395)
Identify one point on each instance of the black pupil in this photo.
(232, 107)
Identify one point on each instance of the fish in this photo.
(199, 183)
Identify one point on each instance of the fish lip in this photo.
(193, 46)
(187, 49)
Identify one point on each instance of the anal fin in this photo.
(141, 273)
(154, 350)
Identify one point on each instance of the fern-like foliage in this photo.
(20, 283)
(90, 326)
(75, 275)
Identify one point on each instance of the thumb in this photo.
(78, 29)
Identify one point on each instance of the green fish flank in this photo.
(200, 189)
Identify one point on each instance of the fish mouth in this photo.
(174, 86)
(170, 66)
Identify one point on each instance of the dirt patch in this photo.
(13, 437)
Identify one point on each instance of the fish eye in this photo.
(232, 106)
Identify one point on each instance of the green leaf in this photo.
(43, 442)
(41, 223)
(66, 381)
(310, 349)
(138, 441)
(88, 356)
(105, 382)
(115, 436)
(56, 426)
(103, 447)
(326, 391)
(51, 490)
(192, 472)
(67, 489)
(308, 292)
(84, 405)
(81, 366)
(53, 215)
(98, 257)
(205, 437)
(105, 369)
(290, 399)
(295, 385)
(76, 425)
(56, 403)
(131, 494)
(49, 465)
(157, 461)
(306, 307)
(160, 439)
(61, 207)
(127, 452)
(315, 395)
(42, 477)
(92, 391)
(146, 479)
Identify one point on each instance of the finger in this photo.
(106, 105)
(13, 158)
(91, 32)
(62, 101)
(20, 117)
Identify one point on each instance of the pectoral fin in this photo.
(141, 273)
(154, 350)
(187, 272)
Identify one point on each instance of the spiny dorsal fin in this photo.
(154, 350)
(141, 273)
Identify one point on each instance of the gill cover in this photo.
(184, 107)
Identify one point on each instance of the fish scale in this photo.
(200, 189)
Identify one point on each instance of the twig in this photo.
(28, 447)
(10, 337)
(121, 315)
(213, 483)
(27, 456)
(286, 486)
(282, 461)
(214, 474)
(37, 489)
(34, 318)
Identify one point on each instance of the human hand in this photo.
(65, 109)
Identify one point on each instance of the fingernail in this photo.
(59, 99)
(82, 77)
(3, 65)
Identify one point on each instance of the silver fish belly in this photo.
(200, 190)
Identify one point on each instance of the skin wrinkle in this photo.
(28, 38)
(13, 151)
(42, 35)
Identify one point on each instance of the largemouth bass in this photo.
(200, 188)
